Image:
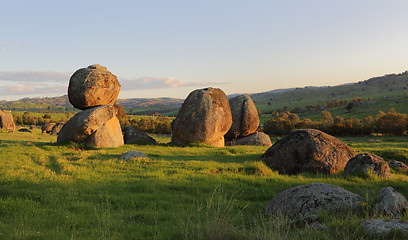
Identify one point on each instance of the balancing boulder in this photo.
(308, 150)
(245, 118)
(93, 86)
(204, 117)
(97, 127)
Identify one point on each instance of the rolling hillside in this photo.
(383, 93)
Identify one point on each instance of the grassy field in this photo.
(52, 191)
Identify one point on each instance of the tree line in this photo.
(389, 123)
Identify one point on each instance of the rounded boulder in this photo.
(365, 163)
(97, 127)
(93, 86)
(308, 150)
(204, 117)
(245, 118)
(305, 202)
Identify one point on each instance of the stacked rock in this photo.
(245, 123)
(93, 89)
(204, 117)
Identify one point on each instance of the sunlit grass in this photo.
(53, 191)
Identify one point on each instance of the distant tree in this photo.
(122, 115)
(392, 122)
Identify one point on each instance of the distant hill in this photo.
(384, 92)
(388, 86)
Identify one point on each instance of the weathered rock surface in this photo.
(97, 126)
(132, 135)
(390, 202)
(57, 128)
(93, 86)
(255, 139)
(364, 163)
(132, 154)
(385, 227)
(204, 117)
(308, 150)
(399, 166)
(47, 128)
(245, 119)
(305, 202)
(6, 120)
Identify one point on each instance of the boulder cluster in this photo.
(307, 202)
(206, 116)
(311, 150)
(93, 89)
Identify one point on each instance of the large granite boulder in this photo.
(204, 117)
(255, 139)
(390, 202)
(364, 163)
(97, 126)
(308, 150)
(47, 128)
(6, 120)
(245, 119)
(93, 86)
(132, 135)
(305, 202)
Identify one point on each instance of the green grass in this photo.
(53, 191)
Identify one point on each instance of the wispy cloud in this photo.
(34, 76)
(32, 89)
(160, 83)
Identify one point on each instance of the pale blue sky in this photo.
(169, 48)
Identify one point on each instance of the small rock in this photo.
(23, 130)
(47, 128)
(364, 163)
(57, 128)
(318, 227)
(132, 154)
(132, 135)
(390, 202)
(399, 166)
(383, 227)
(255, 139)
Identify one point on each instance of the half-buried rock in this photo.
(366, 163)
(255, 139)
(204, 117)
(132, 135)
(6, 120)
(245, 118)
(308, 150)
(97, 127)
(93, 86)
(306, 202)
